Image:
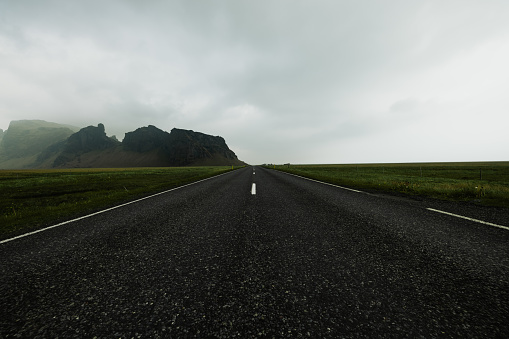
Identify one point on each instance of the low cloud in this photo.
(282, 81)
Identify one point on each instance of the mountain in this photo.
(194, 147)
(145, 147)
(88, 139)
(180, 147)
(146, 139)
(25, 139)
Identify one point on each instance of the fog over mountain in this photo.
(323, 81)
(39, 144)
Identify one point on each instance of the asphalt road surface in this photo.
(286, 257)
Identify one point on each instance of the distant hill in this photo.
(25, 139)
(91, 147)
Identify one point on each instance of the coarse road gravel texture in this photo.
(296, 259)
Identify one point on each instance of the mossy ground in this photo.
(484, 182)
(32, 198)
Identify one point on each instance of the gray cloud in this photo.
(298, 81)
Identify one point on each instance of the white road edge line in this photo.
(106, 210)
(325, 183)
(467, 218)
(253, 189)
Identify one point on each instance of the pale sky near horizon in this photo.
(281, 80)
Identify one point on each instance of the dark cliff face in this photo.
(188, 146)
(89, 139)
(86, 140)
(146, 139)
(180, 147)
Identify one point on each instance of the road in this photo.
(286, 257)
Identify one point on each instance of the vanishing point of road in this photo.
(260, 253)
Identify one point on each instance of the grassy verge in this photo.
(484, 183)
(31, 198)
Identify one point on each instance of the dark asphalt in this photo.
(298, 259)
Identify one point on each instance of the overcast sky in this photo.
(281, 80)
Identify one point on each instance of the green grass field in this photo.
(479, 182)
(31, 198)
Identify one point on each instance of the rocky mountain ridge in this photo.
(38, 144)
